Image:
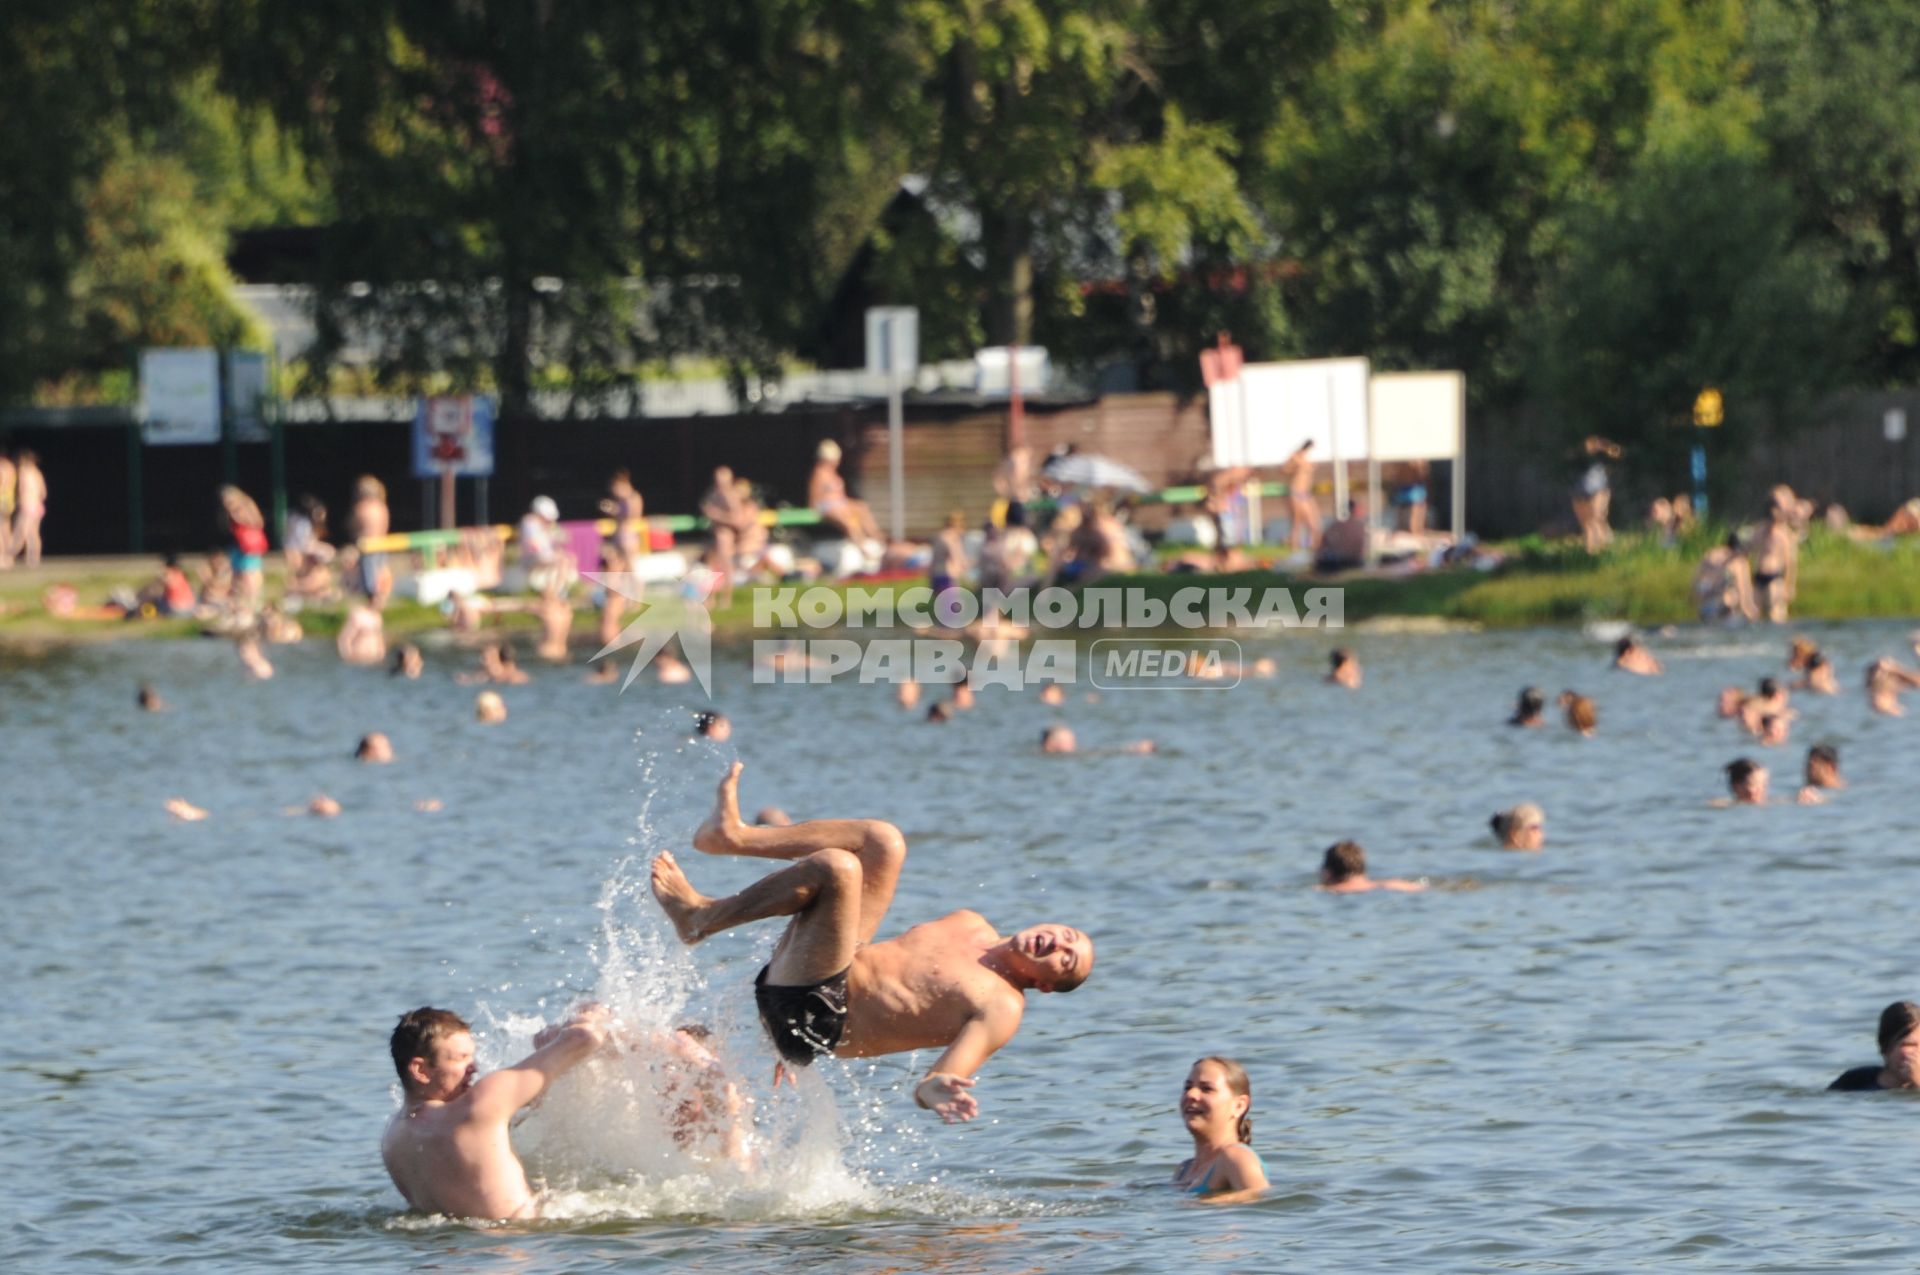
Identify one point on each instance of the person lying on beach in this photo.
(1344, 871)
(447, 1149)
(954, 984)
(1530, 709)
(1344, 669)
(1823, 772)
(1630, 655)
(1899, 1039)
(1214, 1105)
(1522, 828)
(1746, 784)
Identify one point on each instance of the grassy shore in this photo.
(1637, 580)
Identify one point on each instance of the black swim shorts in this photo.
(804, 1022)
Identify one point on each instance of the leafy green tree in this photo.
(77, 77)
(1841, 83)
(1689, 275)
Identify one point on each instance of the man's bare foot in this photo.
(720, 834)
(683, 904)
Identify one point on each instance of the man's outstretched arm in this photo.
(943, 1091)
(558, 1050)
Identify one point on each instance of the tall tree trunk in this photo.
(1011, 258)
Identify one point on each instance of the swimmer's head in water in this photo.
(1340, 658)
(1532, 703)
(1768, 688)
(1055, 958)
(1899, 1038)
(1522, 828)
(1210, 1080)
(433, 1053)
(407, 660)
(1344, 861)
(149, 699)
(714, 725)
(1747, 780)
(374, 747)
(489, 707)
(1802, 651)
(940, 712)
(1581, 713)
(1057, 739)
(1823, 762)
(1773, 729)
(1623, 646)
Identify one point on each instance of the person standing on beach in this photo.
(1776, 562)
(1303, 514)
(371, 520)
(30, 494)
(1593, 492)
(9, 486)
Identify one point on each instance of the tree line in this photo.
(1601, 205)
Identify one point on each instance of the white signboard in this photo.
(180, 396)
(1263, 415)
(893, 341)
(1418, 415)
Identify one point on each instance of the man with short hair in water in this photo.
(1899, 1039)
(954, 984)
(1344, 871)
(1823, 771)
(1630, 655)
(447, 1148)
(1746, 784)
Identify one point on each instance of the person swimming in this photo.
(1899, 1040)
(1582, 715)
(1823, 771)
(489, 708)
(1344, 871)
(715, 725)
(149, 699)
(1530, 708)
(1819, 677)
(1215, 1104)
(1344, 669)
(375, 748)
(1522, 828)
(1746, 783)
(407, 661)
(1058, 739)
(1630, 655)
(1773, 730)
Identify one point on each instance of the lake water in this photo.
(1605, 1056)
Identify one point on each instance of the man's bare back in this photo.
(447, 1148)
(954, 984)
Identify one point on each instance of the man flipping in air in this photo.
(954, 984)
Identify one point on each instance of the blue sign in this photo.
(453, 435)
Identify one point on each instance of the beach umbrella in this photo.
(1084, 469)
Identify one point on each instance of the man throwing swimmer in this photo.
(954, 984)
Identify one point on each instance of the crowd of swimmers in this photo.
(954, 984)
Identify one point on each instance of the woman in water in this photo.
(1530, 708)
(1522, 828)
(1214, 1104)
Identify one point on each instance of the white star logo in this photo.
(655, 622)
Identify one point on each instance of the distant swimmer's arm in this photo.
(1244, 1177)
(944, 1090)
(558, 1050)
